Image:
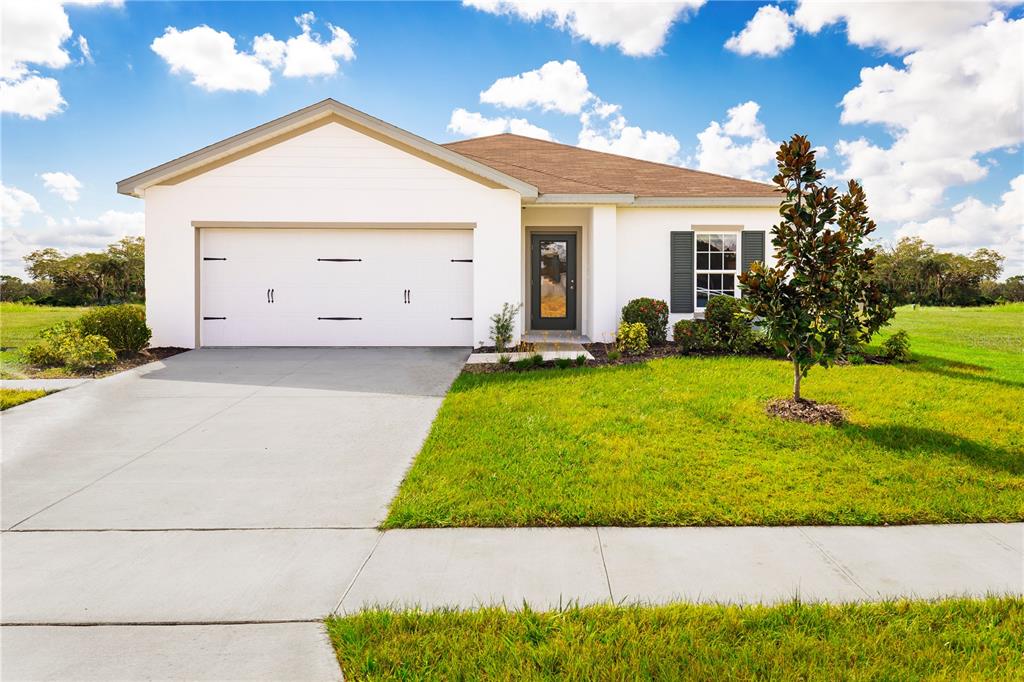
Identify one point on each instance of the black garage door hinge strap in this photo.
(211, 258)
(462, 260)
(214, 318)
(341, 260)
(339, 318)
(462, 318)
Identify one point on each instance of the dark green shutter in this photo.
(681, 289)
(752, 248)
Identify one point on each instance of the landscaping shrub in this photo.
(123, 326)
(632, 338)
(563, 363)
(535, 360)
(653, 313)
(581, 360)
(66, 344)
(504, 359)
(503, 324)
(729, 329)
(692, 336)
(614, 354)
(897, 347)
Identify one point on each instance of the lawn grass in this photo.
(686, 441)
(20, 324)
(905, 640)
(9, 397)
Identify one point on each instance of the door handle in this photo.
(408, 296)
(271, 295)
(268, 295)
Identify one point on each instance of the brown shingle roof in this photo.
(562, 169)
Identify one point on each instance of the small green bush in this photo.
(729, 329)
(614, 354)
(855, 359)
(581, 360)
(503, 324)
(123, 326)
(66, 344)
(504, 359)
(529, 362)
(563, 363)
(632, 338)
(652, 313)
(897, 347)
(693, 336)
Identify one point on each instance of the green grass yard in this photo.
(685, 441)
(20, 325)
(956, 639)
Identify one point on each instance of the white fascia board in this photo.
(588, 199)
(708, 202)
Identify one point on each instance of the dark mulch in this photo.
(806, 411)
(146, 356)
(600, 353)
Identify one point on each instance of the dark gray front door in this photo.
(553, 281)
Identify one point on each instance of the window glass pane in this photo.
(702, 261)
(716, 262)
(702, 300)
(702, 281)
(716, 242)
(554, 299)
(715, 281)
(702, 243)
(729, 292)
(729, 242)
(729, 262)
(727, 281)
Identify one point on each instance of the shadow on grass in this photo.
(961, 371)
(902, 438)
(469, 381)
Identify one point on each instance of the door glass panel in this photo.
(554, 301)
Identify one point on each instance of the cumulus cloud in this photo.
(740, 147)
(474, 124)
(974, 224)
(945, 108)
(637, 29)
(766, 35)
(605, 129)
(556, 86)
(14, 204)
(32, 36)
(64, 185)
(215, 63)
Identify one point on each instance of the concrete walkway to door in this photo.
(204, 513)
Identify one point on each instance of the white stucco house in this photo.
(328, 227)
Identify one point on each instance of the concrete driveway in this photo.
(256, 475)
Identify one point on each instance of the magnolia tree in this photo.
(819, 300)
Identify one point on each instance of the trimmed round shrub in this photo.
(123, 326)
(68, 345)
(652, 313)
(692, 336)
(632, 338)
(729, 328)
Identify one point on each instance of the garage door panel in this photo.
(314, 275)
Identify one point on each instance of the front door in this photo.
(553, 281)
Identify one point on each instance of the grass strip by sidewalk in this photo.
(9, 397)
(904, 640)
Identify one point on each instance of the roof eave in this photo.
(630, 200)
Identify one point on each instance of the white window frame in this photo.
(715, 231)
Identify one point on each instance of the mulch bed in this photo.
(806, 411)
(146, 356)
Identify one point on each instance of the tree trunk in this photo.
(796, 380)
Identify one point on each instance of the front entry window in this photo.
(554, 290)
(716, 266)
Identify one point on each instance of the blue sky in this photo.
(937, 157)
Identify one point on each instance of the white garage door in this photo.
(328, 287)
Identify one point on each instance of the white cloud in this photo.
(215, 63)
(64, 185)
(473, 124)
(718, 150)
(604, 129)
(637, 29)
(83, 47)
(945, 108)
(70, 235)
(556, 86)
(33, 33)
(210, 57)
(893, 26)
(306, 54)
(31, 97)
(14, 204)
(973, 224)
(767, 34)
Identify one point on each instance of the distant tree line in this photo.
(115, 275)
(915, 272)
